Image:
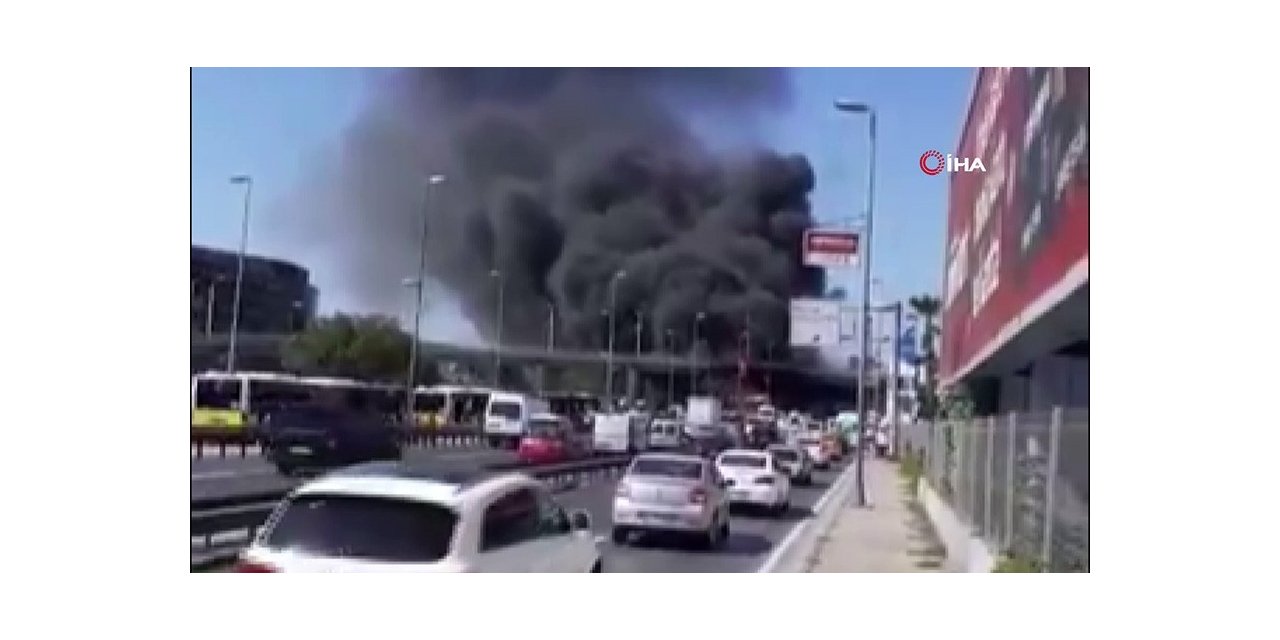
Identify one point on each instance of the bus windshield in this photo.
(432, 401)
(218, 394)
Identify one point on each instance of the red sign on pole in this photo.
(830, 248)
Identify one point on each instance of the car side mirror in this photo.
(580, 520)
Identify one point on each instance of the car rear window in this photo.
(544, 428)
(753, 462)
(688, 469)
(786, 455)
(365, 528)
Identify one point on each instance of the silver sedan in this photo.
(671, 492)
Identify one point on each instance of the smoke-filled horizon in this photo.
(558, 179)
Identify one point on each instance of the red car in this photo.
(550, 440)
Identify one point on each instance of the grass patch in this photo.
(911, 468)
(1011, 564)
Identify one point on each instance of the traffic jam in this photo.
(693, 470)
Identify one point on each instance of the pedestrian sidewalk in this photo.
(892, 535)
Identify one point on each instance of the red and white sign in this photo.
(1018, 233)
(830, 248)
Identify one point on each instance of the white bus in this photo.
(450, 406)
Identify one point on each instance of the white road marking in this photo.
(778, 551)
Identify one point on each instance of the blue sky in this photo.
(271, 122)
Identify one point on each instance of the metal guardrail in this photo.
(245, 514)
(223, 441)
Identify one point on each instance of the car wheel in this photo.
(285, 470)
(783, 508)
(598, 567)
(620, 535)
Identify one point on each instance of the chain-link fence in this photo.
(1021, 481)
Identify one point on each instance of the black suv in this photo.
(316, 437)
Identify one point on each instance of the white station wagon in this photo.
(389, 517)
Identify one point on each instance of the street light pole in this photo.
(608, 374)
(897, 351)
(860, 459)
(551, 326)
(768, 372)
(671, 368)
(244, 245)
(208, 312)
(497, 348)
(693, 354)
(410, 375)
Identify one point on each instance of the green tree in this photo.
(365, 347)
(927, 307)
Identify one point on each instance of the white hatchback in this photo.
(755, 478)
(387, 517)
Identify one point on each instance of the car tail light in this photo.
(698, 496)
(764, 480)
(249, 566)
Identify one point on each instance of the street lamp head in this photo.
(702, 315)
(494, 273)
(435, 178)
(851, 106)
(241, 179)
(620, 274)
(409, 282)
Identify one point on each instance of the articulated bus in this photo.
(450, 405)
(245, 399)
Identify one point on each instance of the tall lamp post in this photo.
(244, 245)
(693, 354)
(849, 106)
(671, 367)
(497, 342)
(613, 301)
(417, 284)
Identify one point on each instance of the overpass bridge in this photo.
(646, 374)
(262, 344)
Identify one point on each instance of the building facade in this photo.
(1015, 310)
(276, 296)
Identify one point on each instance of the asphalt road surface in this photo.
(753, 536)
(219, 477)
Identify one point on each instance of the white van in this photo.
(506, 419)
(625, 432)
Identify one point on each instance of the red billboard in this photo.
(1018, 229)
(830, 248)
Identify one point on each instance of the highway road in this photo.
(219, 477)
(753, 537)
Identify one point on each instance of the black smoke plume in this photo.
(560, 178)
